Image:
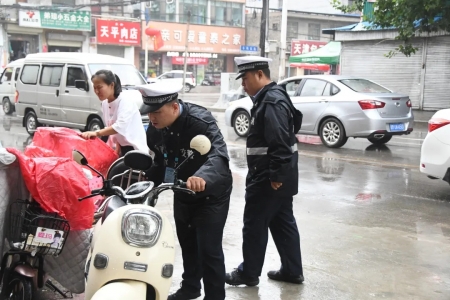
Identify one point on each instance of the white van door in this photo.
(49, 91)
(75, 103)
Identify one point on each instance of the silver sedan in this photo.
(337, 107)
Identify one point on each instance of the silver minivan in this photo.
(8, 79)
(55, 89)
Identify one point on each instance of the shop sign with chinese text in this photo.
(74, 20)
(304, 46)
(118, 32)
(212, 39)
(190, 61)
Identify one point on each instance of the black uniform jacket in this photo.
(271, 144)
(205, 207)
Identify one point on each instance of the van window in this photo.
(128, 74)
(7, 74)
(30, 74)
(16, 75)
(51, 75)
(74, 73)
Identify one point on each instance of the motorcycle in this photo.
(132, 245)
(32, 233)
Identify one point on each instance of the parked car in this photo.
(337, 107)
(435, 153)
(8, 81)
(176, 77)
(55, 89)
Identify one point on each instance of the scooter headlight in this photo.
(141, 228)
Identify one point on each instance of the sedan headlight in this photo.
(141, 228)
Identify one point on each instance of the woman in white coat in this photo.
(123, 123)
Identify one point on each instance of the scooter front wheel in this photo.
(19, 288)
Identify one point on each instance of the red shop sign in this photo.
(190, 61)
(304, 46)
(118, 32)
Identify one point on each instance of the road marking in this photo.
(305, 153)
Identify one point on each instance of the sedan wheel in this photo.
(332, 133)
(380, 141)
(241, 123)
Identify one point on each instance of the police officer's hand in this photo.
(196, 184)
(276, 185)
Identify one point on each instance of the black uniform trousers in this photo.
(264, 209)
(201, 248)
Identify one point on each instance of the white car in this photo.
(176, 77)
(337, 107)
(435, 154)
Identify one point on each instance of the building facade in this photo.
(216, 32)
(304, 34)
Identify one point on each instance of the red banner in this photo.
(304, 46)
(190, 61)
(118, 32)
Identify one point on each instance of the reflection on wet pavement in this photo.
(368, 231)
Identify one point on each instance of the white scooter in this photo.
(132, 245)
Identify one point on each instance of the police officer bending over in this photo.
(272, 178)
(199, 219)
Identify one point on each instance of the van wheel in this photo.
(7, 107)
(187, 88)
(95, 124)
(31, 123)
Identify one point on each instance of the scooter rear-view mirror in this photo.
(79, 158)
(201, 144)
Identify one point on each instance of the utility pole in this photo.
(146, 59)
(282, 70)
(262, 37)
(186, 50)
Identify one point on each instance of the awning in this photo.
(306, 66)
(328, 54)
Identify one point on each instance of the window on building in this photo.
(313, 31)
(163, 11)
(198, 8)
(51, 75)
(226, 13)
(292, 31)
(64, 2)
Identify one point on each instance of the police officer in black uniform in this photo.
(199, 219)
(272, 178)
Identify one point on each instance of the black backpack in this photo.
(297, 116)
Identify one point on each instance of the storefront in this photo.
(117, 38)
(22, 41)
(211, 50)
(63, 42)
(58, 31)
(299, 67)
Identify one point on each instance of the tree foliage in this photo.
(409, 17)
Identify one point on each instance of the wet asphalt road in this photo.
(371, 225)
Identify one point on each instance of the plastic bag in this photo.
(56, 183)
(60, 141)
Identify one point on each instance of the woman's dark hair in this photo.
(109, 77)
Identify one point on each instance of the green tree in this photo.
(409, 17)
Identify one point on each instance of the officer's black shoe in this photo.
(238, 278)
(183, 295)
(278, 276)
